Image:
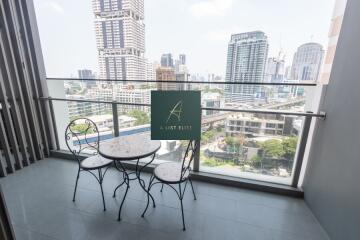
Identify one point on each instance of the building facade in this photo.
(165, 74)
(151, 70)
(249, 124)
(211, 100)
(275, 70)
(167, 60)
(120, 38)
(182, 59)
(87, 74)
(246, 60)
(307, 62)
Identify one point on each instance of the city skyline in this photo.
(199, 32)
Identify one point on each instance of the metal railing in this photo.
(303, 84)
(114, 105)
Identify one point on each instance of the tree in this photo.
(273, 148)
(82, 128)
(256, 161)
(219, 128)
(289, 146)
(207, 136)
(230, 141)
(239, 141)
(141, 117)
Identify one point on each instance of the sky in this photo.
(201, 29)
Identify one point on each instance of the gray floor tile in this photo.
(40, 203)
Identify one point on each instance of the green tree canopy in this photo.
(273, 148)
(289, 145)
(82, 128)
(230, 141)
(141, 117)
(208, 135)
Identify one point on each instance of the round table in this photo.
(126, 148)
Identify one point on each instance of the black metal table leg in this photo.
(126, 191)
(142, 183)
(127, 182)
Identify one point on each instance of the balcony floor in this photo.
(39, 199)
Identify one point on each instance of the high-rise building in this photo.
(182, 58)
(180, 65)
(287, 72)
(167, 60)
(120, 38)
(87, 74)
(274, 70)
(246, 60)
(165, 74)
(183, 77)
(151, 70)
(307, 62)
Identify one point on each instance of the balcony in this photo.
(40, 206)
(284, 167)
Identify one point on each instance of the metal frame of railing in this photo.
(303, 83)
(303, 137)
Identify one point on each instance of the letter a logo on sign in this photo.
(175, 115)
(176, 112)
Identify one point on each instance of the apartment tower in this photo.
(307, 62)
(246, 60)
(120, 38)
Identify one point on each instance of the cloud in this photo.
(53, 5)
(211, 8)
(221, 35)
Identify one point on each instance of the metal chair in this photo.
(82, 139)
(175, 173)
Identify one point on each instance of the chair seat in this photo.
(95, 162)
(170, 172)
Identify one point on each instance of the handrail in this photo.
(311, 84)
(263, 111)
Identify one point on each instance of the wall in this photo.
(332, 179)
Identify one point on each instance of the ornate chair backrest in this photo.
(82, 135)
(189, 156)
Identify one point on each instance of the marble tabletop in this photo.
(129, 147)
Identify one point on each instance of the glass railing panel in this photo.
(99, 113)
(254, 146)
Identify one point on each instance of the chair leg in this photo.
(102, 191)
(76, 183)
(182, 208)
(192, 188)
(148, 195)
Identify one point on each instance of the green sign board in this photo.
(175, 115)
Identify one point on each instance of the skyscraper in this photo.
(165, 74)
(87, 74)
(120, 38)
(307, 62)
(182, 58)
(167, 60)
(274, 71)
(246, 60)
(151, 70)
